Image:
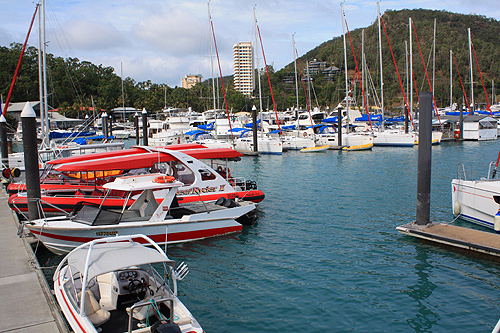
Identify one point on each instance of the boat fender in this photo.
(164, 179)
(456, 208)
(496, 223)
(15, 172)
(6, 173)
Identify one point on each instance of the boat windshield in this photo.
(94, 215)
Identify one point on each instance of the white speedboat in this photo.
(186, 222)
(265, 145)
(110, 285)
(393, 138)
(477, 201)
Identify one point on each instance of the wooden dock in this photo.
(464, 238)
(27, 304)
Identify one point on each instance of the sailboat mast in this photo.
(434, 60)
(411, 66)
(407, 85)
(123, 93)
(295, 68)
(451, 80)
(380, 58)
(44, 74)
(471, 78)
(45, 132)
(257, 58)
(345, 66)
(211, 56)
(296, 80)
(363, 67)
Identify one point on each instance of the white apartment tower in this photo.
(244, 81)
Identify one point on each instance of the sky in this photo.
(164, 40)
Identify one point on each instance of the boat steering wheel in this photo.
(136, 287)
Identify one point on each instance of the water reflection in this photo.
(425, 318)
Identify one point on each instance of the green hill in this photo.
(451, 33)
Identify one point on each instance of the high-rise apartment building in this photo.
(244, 73)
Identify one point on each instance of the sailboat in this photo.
(265, 144)
(384, 136)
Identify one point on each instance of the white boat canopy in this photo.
(110, 257)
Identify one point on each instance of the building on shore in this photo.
(190, 80)
(244, 73)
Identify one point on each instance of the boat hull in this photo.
(65, 204)
(474, 201)
(61, 236)
(394, 139)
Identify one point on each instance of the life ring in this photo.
(305, 134)
(164, 179)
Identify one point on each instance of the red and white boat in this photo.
(111, 285)
(68, 181)
(179, 222)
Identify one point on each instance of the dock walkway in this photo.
(465, 238)
(27, 304)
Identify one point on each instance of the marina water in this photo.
(325, 254)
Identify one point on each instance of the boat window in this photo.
(182, 173)
(92, 215)
(206, 174)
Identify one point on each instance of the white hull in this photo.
(393, 139)
(264, 145)
(351, 141)
(474, 201)
(61, 235)
(297, 143)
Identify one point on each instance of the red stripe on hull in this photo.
(158, 238)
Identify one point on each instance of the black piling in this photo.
(339, 127)
(104, 118)
(254, 128)
(136, 124)
(110, 125)
(461, 124)
(144, 127)
(3, 138)
(424, 159)
(32, 170)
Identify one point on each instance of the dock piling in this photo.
(144, 127)
(424, 159)
(3, 138)
(31, 167)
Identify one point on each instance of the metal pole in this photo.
(144, 127)
(254, 128)
(3, 138)
(105, 125)
(424, 159)
(136, 124)
(471, 78)
(32, 170)
(461, 123)
(381, 71)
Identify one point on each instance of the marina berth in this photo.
(111, 285)
(477, 201)
(185, 222)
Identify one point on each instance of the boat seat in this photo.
(93, 310)
(108, 287)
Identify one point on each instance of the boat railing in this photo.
(492, 171)
(149, 302)
(461, 174)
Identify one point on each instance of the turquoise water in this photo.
(325, 254)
